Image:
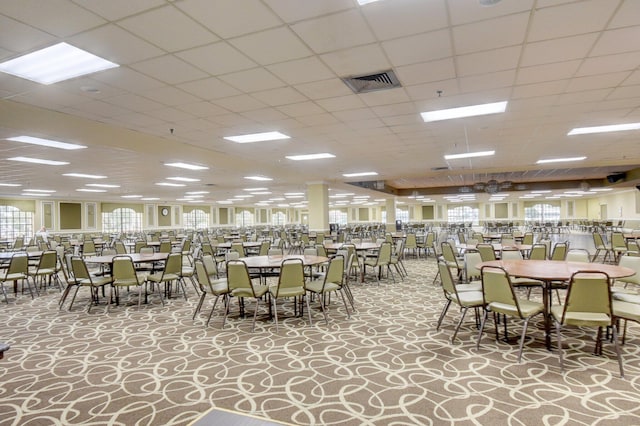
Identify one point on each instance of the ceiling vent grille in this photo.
(372, 82)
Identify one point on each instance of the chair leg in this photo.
(213, 307)
(199, 305)
(306, 299)
(484, 320)
(255, 315)
(275, 311)
(522, 337)
(443, 313)
(455, 332)
(559, 346)
(344, 301)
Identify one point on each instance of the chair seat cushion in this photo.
(316, 286)
(626, 297)
(468, 298)
(626, 310)
(469, 287)
(219, 286)
(14, 276)
(287, 292)
(593, 319)
(258, 290)
(528, 308)
(158, 277)
(97, 281)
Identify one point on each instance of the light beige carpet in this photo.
(385, 366)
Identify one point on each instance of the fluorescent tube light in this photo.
(469, 155)
(55, 63)
(82, 175)
(131, 196)
(604, 129)
(363, 2)
(91, 190)
(310, 156)
(183, 179)
(10, 184)
(196, 192)
(602, 189)
(150, 199)
(262, 193)
(360, 174)
(260, 178)
(35, 194)
(468, 111)
(560, 160)
(39, 161)
(45, 191)
(257, 137)
(170, 184)
(186, 166)
(45, 142)
(102, 185)
(255, 189)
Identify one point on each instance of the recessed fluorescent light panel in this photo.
(560, 160)
(91, 190)
(82, 175)
(360, 174)
(170, 184)
(469, 155)
(183, 179)
(310, 156)
(131, 196)
(196, 192)
(150, 199)
(45, 142)
(39, 161)
(10, 184)
(259, 178)
(604, 129)
(468, 111)
(186, 166)
(257, 137)
(55, 63)
(45, 191)
(102, 185)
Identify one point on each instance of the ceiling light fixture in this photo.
(150, 199)
(560, 160)
(45, 142)
(255, 189)
(55, 63)
(170, 184)
(310, 156)
(461, 112)
(39, 161)
(102, 185)
(604, 129)
(360, 174)
(469, 155)
(46, 191)
(259, 178)
(90, 190)
(131, 196)
(186, 166)
(257, 137)
(83, 175)
(10, 184)
(183, 179)
(196, 192)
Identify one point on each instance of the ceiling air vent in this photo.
(372, 82)
(440, 168)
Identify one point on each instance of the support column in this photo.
(391, 214)
(318, 196)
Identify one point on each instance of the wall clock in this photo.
(164, 211)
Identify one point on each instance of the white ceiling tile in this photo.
(571, 19)
(169, 95)
(15, 85)
(433, 45)
(354, 115)
(558, 50)
(169, 69)
(209, 88)
(600, 81)
(576, 98)
(385, 97)
(203, 109)
(252, 80)
(317, 120)
(134, 102)
(539, 89)
(323, 89)
(430, 90)
(489, 61)
(58, 17)
(168, 28)
(265, 115)
(260, 46)
(217, 58)
(347, 29)
(19, 38)
(633, 79)
(102, 109)
(300, 109)
(280, 96)
(356, 61)
(610, 63)
(117, 9)
(240, 103)
(230, 18)
(405, 108)
(425, 72)
(301, 71)
(625, 92)
(466, 11)
(296, 10)
(494, 80)
(341, 103)
(115, 44)
(486, 35)
(626, 15)
(172, 115)
(617, 41)
(547, 72)
(399, 18)
(127, 79)
(139, 119)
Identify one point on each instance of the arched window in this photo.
(542, 212)
(196, 219)
(338, 216)
(463, 214)
(14, 222)
(122, 220)
(278, 217)
(245, 217)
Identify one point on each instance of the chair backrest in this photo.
(618, 241)
(202, 273)
(238, 275)
(578, 255)
(510, 254)
(321, 250)
(310, 251)
(265, 245)
(165, 247)
(560, 251)
(80, 271)
(48, 260)
(384, 254)
(446, 278)
(335, 270)
(429, 239)
(119, 247)
(291, 275)
(471, 259)
(487, 252)
(18, 244)
(19, 264)
(632, 262)
(462, 238)
(447, 252)
(497, 287)
(538, 252)
(238, 247)
(588, 293)
(598, 241)
(146, 250)
(274, 252)
(123, 269)
(88, 248)
(210, 264)
(231, 255)
(139, 245)
(411, 242)
(527, 239)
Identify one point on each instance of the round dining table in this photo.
(548, 271)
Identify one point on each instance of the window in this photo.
(196, 219)
(244, 218)
(463, 214)
(402, 214)
(338, 216)
(278, 218)
(15, 223)
(122, 220)
(542, 213)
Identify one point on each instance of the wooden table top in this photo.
(555, 270)
(359, 246)
(497, 246)
(275, 261)
(245, 244)
(136, 257)
(7, 255)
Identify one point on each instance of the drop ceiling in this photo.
(194, 71)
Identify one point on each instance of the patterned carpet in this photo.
(386, 365)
